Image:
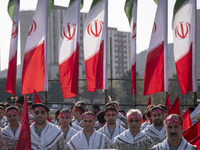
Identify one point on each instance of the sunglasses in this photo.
(42, 112)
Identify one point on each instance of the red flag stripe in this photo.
(154, 71)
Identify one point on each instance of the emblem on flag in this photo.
(14, 30)
(95, 28)
(182, 30)
(33, 27)
(68, 31)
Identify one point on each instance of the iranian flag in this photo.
(34, 73)
(95, 45)
(131, 12)
(184, 29)
(13, 11)
(155, 75)
(69, 50)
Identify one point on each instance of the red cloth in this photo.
(175, 109)
(187, 123)
(24, 140)
(167, 102)
(196, 142)
(192, 132)
(149, 101)
(37, 100)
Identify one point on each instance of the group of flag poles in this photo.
(34, 73)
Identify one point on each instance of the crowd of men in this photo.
(79, 128)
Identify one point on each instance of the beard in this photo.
(40, 121)
(111, 122)
(158, 122)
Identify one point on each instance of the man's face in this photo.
(157, 119)
(65, 121)
(88, 124)
(134, 125)
(1, 114)
(40, 117)
(174, 132)
(76, 114)
(13, 119)
(111, 118)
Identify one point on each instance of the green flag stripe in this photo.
(156, 1)
(51, 4)
(11, 8)
(128, 8)
(178, 5)
(71, 1)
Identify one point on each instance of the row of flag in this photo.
(34, 73)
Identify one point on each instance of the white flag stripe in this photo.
(92, 49)
(36, 30)
(134, 28)
(14, 34)
(66, 46)
(184, 27)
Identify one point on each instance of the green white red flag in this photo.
(13, 11)
(95, 45)
(69, 50)
(34, 73)
(130, 9)
(155, 75)
(184, 32)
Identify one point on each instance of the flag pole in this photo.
(105, 53)
(195, 56)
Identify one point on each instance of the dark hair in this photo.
(81, 103)
(12, 107)
(156, 107)
(80, 107)
(96, 107)
(163, 107)
(19, 99)
(64, 110)
(107, 109)
(100, 117)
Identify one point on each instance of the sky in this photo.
(116, 18)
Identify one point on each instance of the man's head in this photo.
(110, 115)
(100, 118)
(95, 109)
(40, 113)
(19, 101)
(134, 119)
(2, 112)
(30, 110)
(88, 122)
(12, 114)
(148, 112)
(157, 116)
(82, 103)
(65, 117)
(112, 104)
(165, 110)
(77, 112)
(174, 128)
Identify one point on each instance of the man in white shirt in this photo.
(174, 140)
(134, 137)
(65, 118)
(11, 131)
(88, 138)
(45, 135)
(157, 130)
(111, 129)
